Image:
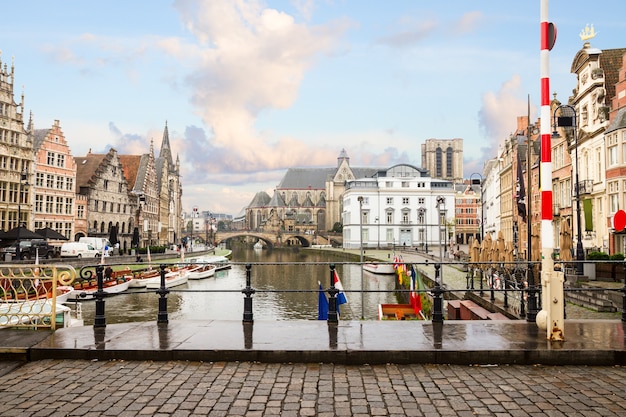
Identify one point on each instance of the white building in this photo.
(399, 207)
(491, 197)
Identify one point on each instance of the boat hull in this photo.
(379, 268)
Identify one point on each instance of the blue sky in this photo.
(251, 88)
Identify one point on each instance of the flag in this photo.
(521, 190)
(322, 304)
(341, 297)
(415, 297)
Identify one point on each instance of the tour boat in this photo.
(379, 268)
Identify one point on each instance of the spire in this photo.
(166, 150)
(343, 156)
(152, 147)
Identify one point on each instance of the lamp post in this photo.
(568, 120)
(441, 208)
(360, 199)
(193, 215)
(482, 207)
(23, 182)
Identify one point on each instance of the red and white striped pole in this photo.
(552, 315)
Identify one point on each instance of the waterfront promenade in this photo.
(306, 368)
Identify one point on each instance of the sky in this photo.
(250, 88)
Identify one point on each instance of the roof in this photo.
(306, 178)
(130, 166)
(87, 166)
(260, 199)
(39, 136)
(619, 121)
(611, 62)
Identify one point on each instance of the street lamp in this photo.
(482, 202)
(568, 120)
(23, 182)
(360, 199)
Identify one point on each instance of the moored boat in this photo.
(397, 312)
(379, 268)
(202, 271)
(89, 288)
(172, 279)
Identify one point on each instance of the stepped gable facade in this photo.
(54, 189)
(110, 214)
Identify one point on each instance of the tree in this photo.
(337, 227)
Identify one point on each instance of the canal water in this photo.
(286, 284)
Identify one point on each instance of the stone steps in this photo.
(598, 300)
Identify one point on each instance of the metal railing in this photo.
(29, 294)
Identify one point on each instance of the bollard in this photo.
(438, 297)
(467, 280)
(624, 295)
(162, 291)
(99, 319)
(333, 317)
(247, 300)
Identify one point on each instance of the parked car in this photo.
(78, 250)
(30, 248)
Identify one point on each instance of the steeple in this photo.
(166, 150)
(343, 156)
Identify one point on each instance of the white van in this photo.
(78, 250)
(99, 243)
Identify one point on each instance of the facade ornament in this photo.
(587, 33)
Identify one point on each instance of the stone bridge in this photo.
(274, 239)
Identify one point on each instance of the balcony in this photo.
(584, 187)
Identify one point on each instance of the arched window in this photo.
(438, 163)
(449, 153)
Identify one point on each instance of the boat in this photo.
(397, 312)
(220, 261)
(86, 290)
(379, 268)
(141, 278)
(202, 271)
(172, 279)
(38, 312)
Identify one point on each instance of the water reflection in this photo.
(220, 297)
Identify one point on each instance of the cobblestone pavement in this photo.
(118, 388)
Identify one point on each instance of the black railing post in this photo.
(531, 317)
(467, 279)
(482, 275)
(99, 317)
(624, 295)
(504, 282)
(162, 291)
(472, 277)
(333, 317)
(437, 297)
(492, 285)
(248, 316)
(522, 302)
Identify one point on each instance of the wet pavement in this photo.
(311, 368)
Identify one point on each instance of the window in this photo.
(389, 216)
(406, 184)
(405, 217)
(405, 200)
(49, 181)
(69, 203)
(60, 160)
(438, 163)
(449, 153)
(612, 150)
(38, 203)
(50, 159)
(59, 205)
(49, 204)
(389, 200)
(421, 201)
(80, 212)
(39, 179)
(389, 235)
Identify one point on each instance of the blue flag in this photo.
(322, 304)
